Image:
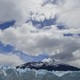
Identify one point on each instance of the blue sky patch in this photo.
(69, 34)
(46, 22)
(6, 25)
(49, 2)
(79, 35)
(6, 48)
(29, 58)
(60, 27)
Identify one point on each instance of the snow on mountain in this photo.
(51, 62)
(49, 65)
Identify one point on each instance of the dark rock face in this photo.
(52, 65)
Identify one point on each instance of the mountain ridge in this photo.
(50, 66)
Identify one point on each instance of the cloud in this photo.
(9, 10)
(10, 59)
(77, 53)
(76, 61)
(69, 47)
(33, 41)
(47, 60)
(14, 10)
(30, 40)
(25, 38)
(22, 11)
(69, 13)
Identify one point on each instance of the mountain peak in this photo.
(49, 64)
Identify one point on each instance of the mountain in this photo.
(49, 65)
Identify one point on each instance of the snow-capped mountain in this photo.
(49, 65)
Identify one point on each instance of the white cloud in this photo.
(50, 40)
(69, 46)
(77, 54)
(69, 13)
(75, 63)
(47, 60)
(35, 41)
(14, 10)
(27, 38)
(10, 59)
(9, 10)
(21, 11)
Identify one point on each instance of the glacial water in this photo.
(8, 73)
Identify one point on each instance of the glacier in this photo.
(9, 73)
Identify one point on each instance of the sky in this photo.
(35, 30)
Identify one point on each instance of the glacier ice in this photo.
(9, 73)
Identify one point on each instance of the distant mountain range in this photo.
(51, 65)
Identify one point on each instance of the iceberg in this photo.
(9, 73)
